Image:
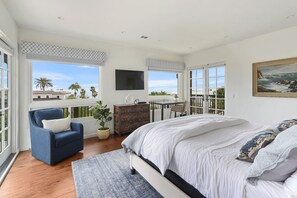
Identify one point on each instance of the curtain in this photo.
(48, 52)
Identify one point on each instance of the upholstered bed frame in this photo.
(169, 185)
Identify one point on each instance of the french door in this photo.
(207, 89)
(5, 108)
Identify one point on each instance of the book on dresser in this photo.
(127, 118)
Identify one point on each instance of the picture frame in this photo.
(276, 78)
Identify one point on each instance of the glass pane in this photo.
(162, 83)
(199, 73)
(1, 70)
(5, 79)
(62, 81)
(1, 60)
(1, 92)
(221, 82)
(221, 71)
(6, 99)
(212, 111)
(221, 104)
(6, 118)
(6, 138)
(1, 124)
(1, 142)
(212, 72)
(221, 112)
(212, 82)
(5, 61)
(212, 102)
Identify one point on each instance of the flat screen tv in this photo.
(129, 80)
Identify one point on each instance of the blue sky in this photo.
(162, 81)
(63, 75)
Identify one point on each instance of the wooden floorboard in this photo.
(30, 177)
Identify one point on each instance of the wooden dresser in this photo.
(127, 118)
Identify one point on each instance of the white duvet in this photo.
(200, 149)
(160, 138)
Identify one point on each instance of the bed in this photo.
(201, 150)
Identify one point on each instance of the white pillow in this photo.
(290, 185)
(57, 125)
(278, 160)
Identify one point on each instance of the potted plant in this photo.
(103, 115)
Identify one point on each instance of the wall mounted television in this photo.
(129, 80)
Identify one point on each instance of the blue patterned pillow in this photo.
(249, 151)
(285, 125)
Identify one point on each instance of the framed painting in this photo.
(276, 78)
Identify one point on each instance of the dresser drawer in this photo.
(127, 118)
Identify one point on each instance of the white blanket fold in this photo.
(160, 138)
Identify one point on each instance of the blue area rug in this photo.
(108, 175)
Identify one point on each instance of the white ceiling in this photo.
(180, 26)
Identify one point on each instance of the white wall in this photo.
(118, 56)
(239, 57)
(9, 28)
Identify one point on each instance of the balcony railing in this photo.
(77, 112)
(216, 104)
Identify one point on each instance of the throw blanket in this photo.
(162, 137)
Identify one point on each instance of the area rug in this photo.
(108, 175)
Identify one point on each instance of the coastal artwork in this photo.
(275, 78)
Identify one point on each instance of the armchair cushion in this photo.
(66, 137)
(47, 114)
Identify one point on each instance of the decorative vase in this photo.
(103, 134)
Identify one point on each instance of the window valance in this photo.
(163, 65)
(48, 52)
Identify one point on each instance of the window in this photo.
(162, 83)
(61, 81)
(207, 89)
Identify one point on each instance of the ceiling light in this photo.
(144, 37)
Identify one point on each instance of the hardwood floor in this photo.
(30, 177)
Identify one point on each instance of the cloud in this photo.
(162, 83)
(88, 67)
(52, 76)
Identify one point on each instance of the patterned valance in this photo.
(163, 65)
(41, 51)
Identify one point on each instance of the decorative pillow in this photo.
(285, 125)
(57, 125)
(290, 185)
(249, 151)
(277, 160)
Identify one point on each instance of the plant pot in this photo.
(103, 134)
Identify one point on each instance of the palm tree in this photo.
(43, 83)
(94, 92)
(82, 93)
(76, 87)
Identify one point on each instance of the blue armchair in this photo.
(51, 147)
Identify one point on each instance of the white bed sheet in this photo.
(266, 189)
